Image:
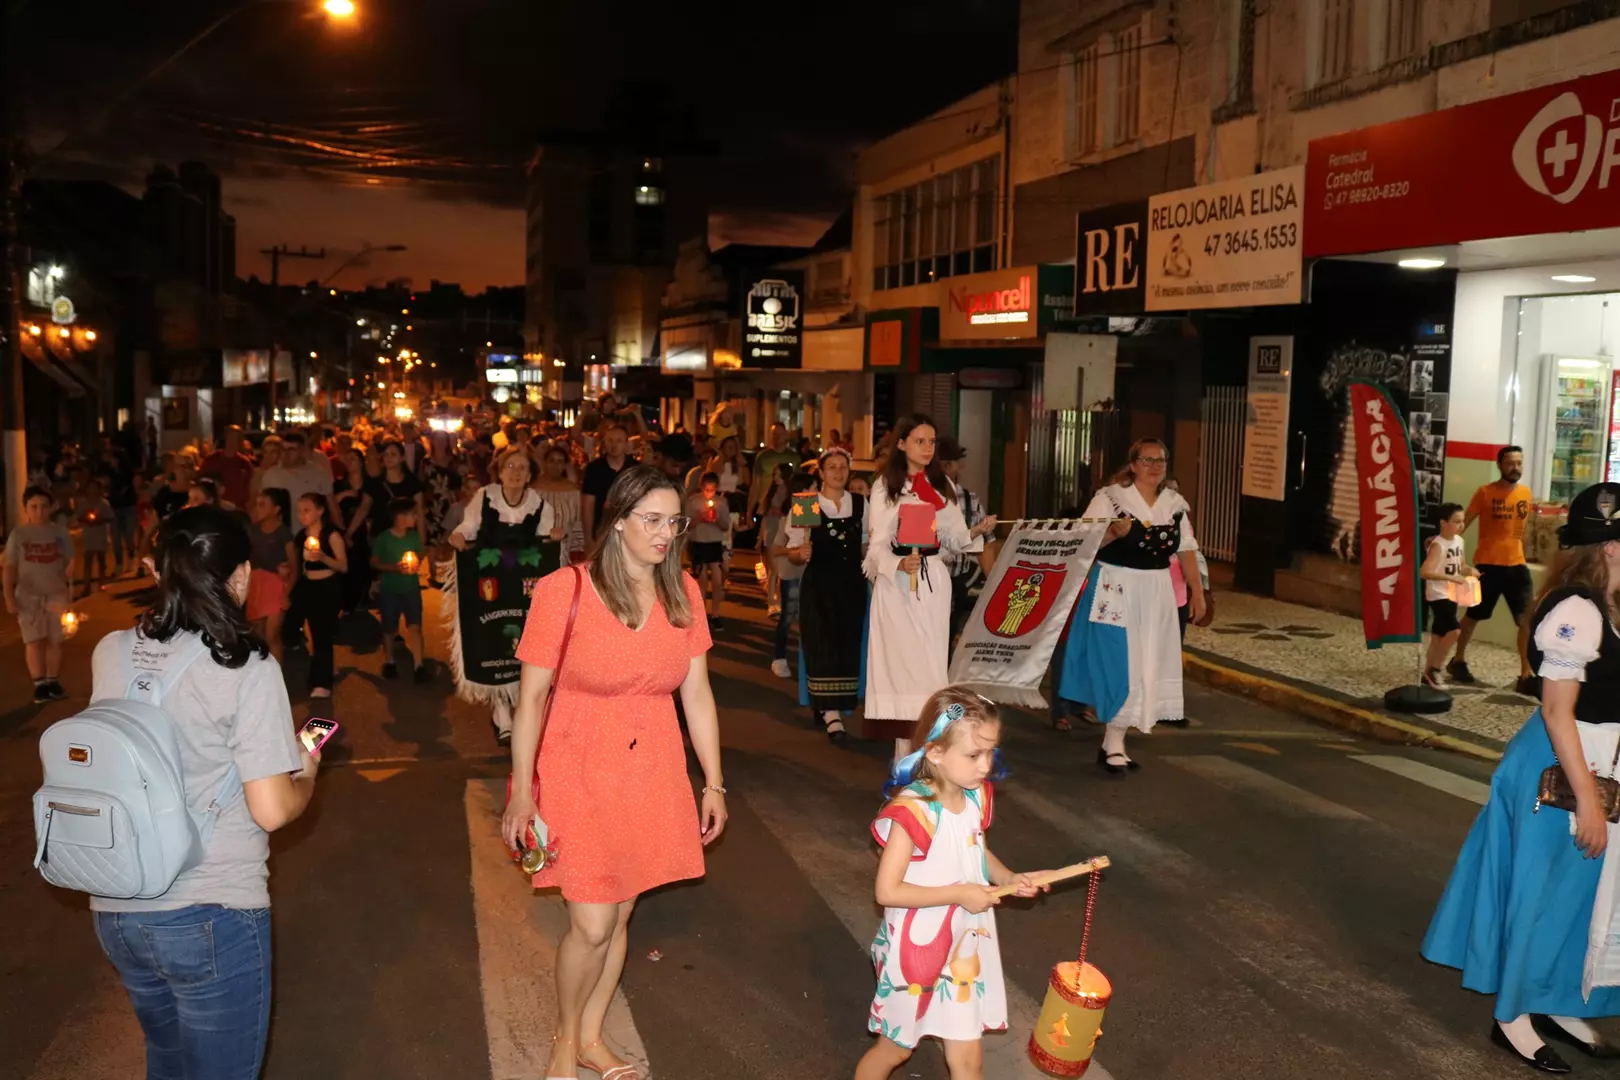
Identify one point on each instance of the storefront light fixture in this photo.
(62, 332)
(33, 328)
(58, 273)
(90, 335)
(1574, 279)
(1425, 262)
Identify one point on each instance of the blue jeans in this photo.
(199, 979)
(789, 615)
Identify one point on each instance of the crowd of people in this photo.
(255, 548)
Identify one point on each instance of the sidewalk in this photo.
(1317, 662)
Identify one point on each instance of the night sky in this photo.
(413, 125)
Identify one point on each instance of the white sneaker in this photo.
(320, 692)
(780, 669)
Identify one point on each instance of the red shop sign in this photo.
(1541, 161)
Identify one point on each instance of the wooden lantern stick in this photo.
(912, 574)
(1049, 877)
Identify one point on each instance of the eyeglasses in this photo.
(656, 523)
(1154, 460)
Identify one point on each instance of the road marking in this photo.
(1430, 776)
(1348, 748)
(1235, 776)
(377, 776)
(842, 870)
(1255, 747)
(518, 931)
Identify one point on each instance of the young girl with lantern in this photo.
(936, 952)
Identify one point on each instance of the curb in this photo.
(1327, 710)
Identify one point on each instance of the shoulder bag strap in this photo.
(568, 631)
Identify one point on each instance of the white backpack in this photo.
(112, 818)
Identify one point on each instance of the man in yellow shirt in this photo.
(1502, 509)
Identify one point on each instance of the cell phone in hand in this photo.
(315, 732)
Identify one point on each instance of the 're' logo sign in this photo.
(1568, 165)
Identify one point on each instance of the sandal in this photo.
(612, 1072)
(576, 1071)
(1062, 723)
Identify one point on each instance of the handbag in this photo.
(538, 851)
(1555, 790)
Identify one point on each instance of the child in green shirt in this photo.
(397, 556)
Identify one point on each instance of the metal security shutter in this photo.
(935, 396)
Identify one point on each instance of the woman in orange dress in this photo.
(613, 787)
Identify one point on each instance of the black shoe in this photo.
(1547, 1027)
(423, 675)
(390, 670)
(1529, 686)
(54, 691)
(716, 623)
(1458, 670)
(42, 693)
(1183, 722)
(835, 729)
(502, 738)
(1104, 759)
(1546, 1058)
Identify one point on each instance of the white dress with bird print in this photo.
(938, 968)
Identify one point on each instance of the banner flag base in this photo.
(1417, 699)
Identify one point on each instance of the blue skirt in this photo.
(1096, 661)
(1515, 915)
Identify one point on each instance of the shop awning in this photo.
(68, 374)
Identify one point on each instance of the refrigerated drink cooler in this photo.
(1576, 426)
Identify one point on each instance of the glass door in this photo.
(1578, 393)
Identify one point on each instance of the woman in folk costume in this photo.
(937, 953)
(1124, 652)
(910, 632)
(832, 600)
(1532, 909)
(504, 516)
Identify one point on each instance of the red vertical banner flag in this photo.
(1390, 559)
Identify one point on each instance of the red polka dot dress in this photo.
(614, 791)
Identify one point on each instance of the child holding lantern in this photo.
(711, 521)
(95, 516)
(909, 641)
(936, 953)
(38, 581)
(397, 556)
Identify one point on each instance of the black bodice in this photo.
(1145, 547)
(837, 541)
(1599, 700)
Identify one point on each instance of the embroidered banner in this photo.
(1008, 642)
(486, 599)
(1389, 518)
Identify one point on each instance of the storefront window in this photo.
(1563, 393)
(941, 227)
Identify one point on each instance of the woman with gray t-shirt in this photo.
(196, 960)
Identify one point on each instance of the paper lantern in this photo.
(1077, 996)
(312, 544)
(71, 621)
(918, 526)
(1070, 1024)
(806, 512)
(409, 562)
(1467, 593)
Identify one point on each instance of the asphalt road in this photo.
(1271, 883)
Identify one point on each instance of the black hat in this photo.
(949, 449)
(1594, 517)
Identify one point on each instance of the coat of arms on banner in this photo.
(1024, 596)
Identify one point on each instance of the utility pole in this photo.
(275, 255)
(15, 446)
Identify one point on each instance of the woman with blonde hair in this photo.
(1124, 652)
(1523, 916)
(610, 794)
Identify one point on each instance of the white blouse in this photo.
(1569, 637)
(1110, 500)
(506, 512)
(883, 520)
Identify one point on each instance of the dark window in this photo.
(942, 227)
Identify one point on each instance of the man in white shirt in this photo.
(300, 474)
